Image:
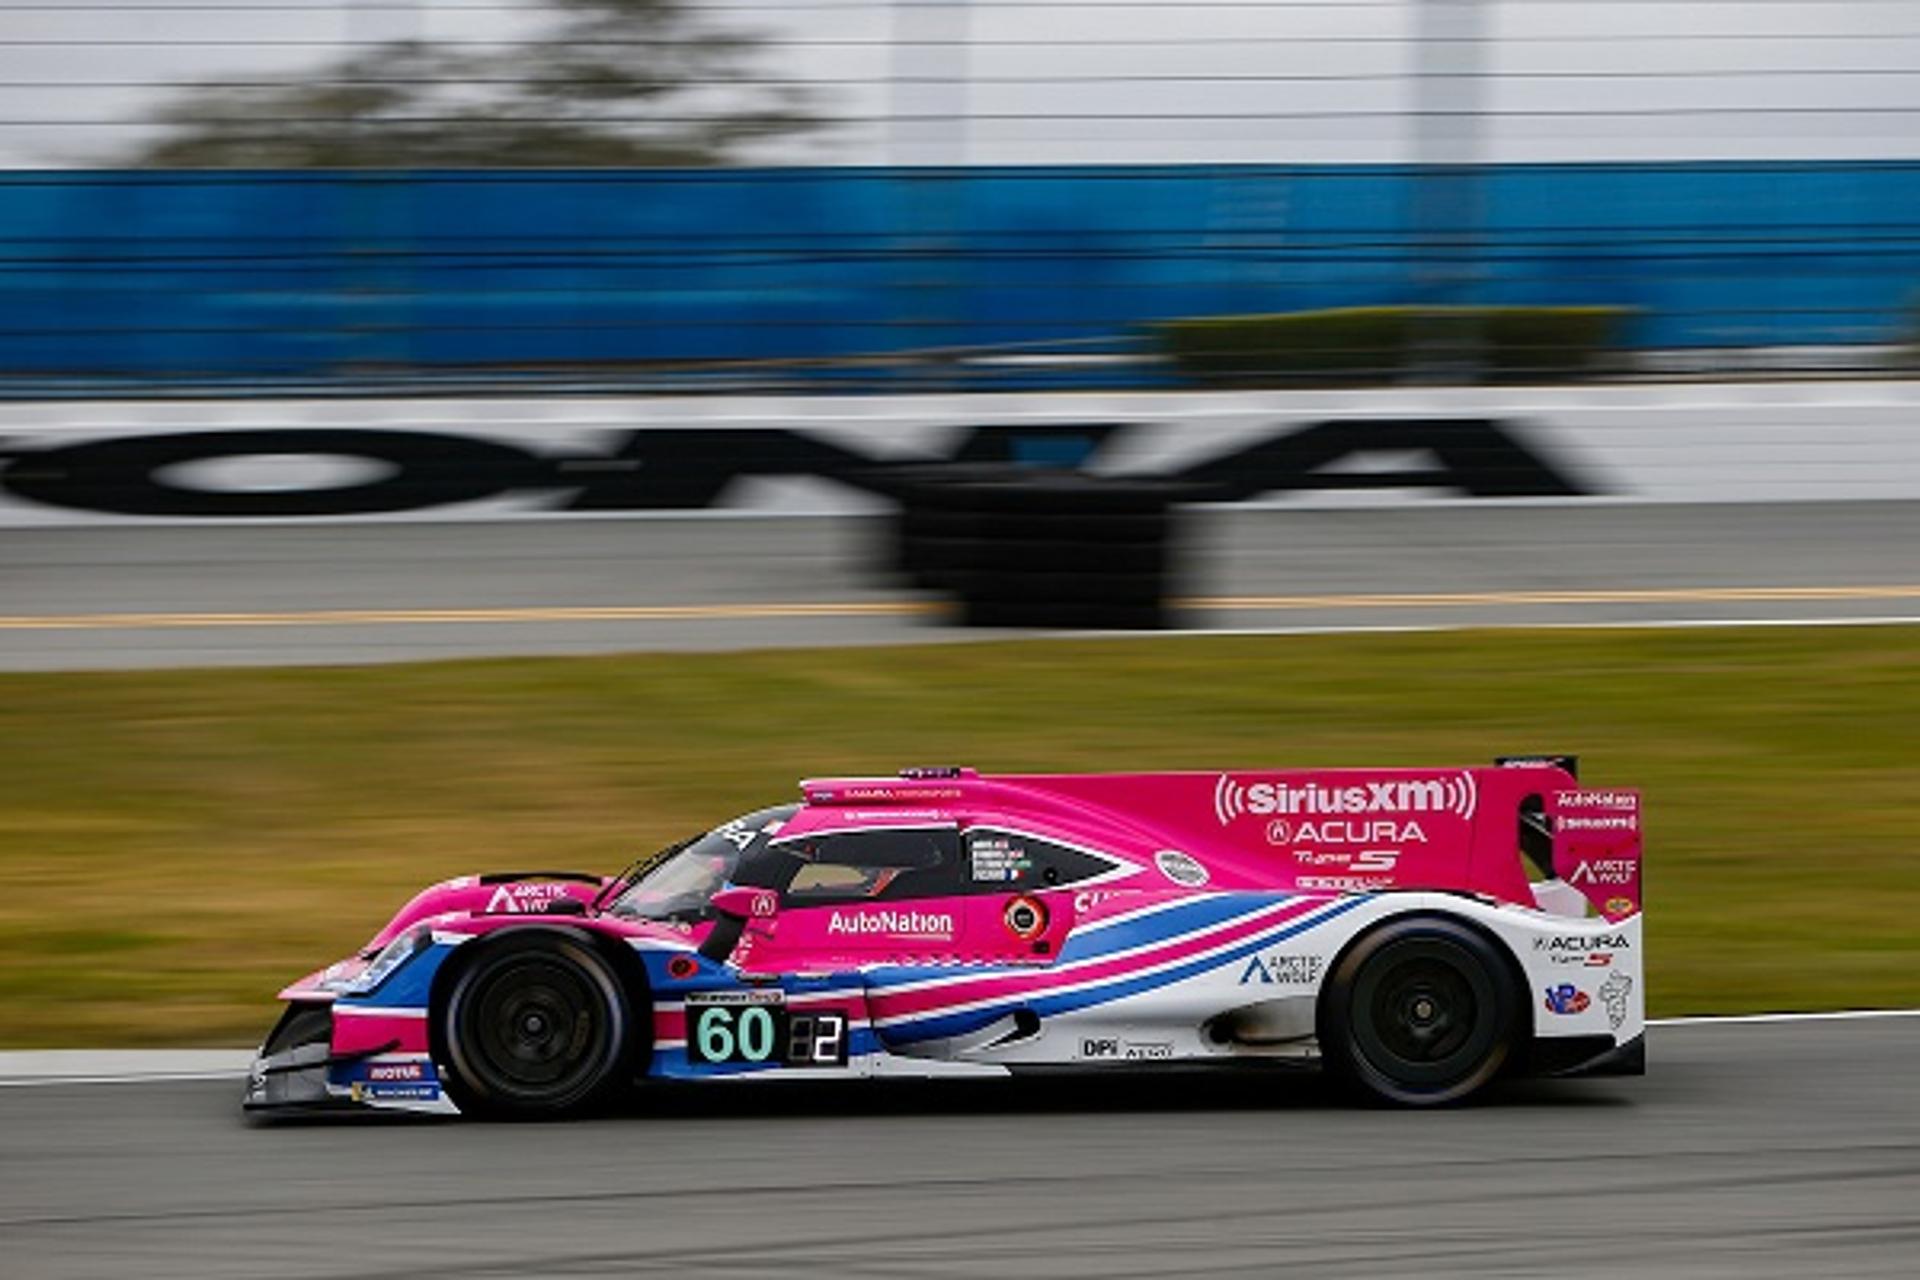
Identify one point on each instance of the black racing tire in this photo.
(535, 1025)
(1031, 555)
(1123, 589)
(1420, 1012)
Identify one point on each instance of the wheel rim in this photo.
(536, 1029)
(1425, 1014)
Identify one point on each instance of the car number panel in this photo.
(763, 1033)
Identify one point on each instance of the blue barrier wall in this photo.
(301, 274)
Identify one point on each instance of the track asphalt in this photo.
(188, 596)
(1751, 1150)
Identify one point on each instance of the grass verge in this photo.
(175, 845)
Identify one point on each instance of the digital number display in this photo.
(762, 1033)
(817, 1038)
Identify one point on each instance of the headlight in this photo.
(391, 957)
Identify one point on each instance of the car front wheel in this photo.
(535, 1025)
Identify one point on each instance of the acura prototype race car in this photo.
(1416, 932)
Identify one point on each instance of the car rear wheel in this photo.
(535, 1025)
(1420, 1012)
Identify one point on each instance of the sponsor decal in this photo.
(1595, 800)
(396, 1071)
(1181, 868)
(1602, 822)
(1613, 993)
(853, 795)
(370, 1092)
(1382, 861)
(1592, 951)
(682, 967)
(515, 898)
(753, 995)
(1567, 999)
(1603, 871)
(1088, 899)
(1110, 1047)
(904, 923)
(1346, 831)
(1343, 884)
(1282, 971)
(1455, 794)
(736, 833)
(1619, 906)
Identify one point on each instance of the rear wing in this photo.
(1596, 847)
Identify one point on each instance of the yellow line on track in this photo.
(913, 608)
(419, 617)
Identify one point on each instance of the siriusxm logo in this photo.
(1455, 794)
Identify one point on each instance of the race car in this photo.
(1415, 932)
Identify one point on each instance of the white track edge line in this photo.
(1444, 628)
(1835, 1015)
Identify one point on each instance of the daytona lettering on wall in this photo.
(75, 462)
(149, 469)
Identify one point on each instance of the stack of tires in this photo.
(1033, 548)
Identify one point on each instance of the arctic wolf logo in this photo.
(1455, 794)
(516, 898)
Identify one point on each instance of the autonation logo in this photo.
(1454, 794)
(900, 924)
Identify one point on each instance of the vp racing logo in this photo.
(1455, 794)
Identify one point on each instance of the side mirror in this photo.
(734, 908)
(745, 904)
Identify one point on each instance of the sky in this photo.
(1083, 81)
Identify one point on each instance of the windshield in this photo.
(678, 887)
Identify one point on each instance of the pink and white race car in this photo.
(1417, 932)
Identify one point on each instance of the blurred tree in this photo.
(614, 82)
